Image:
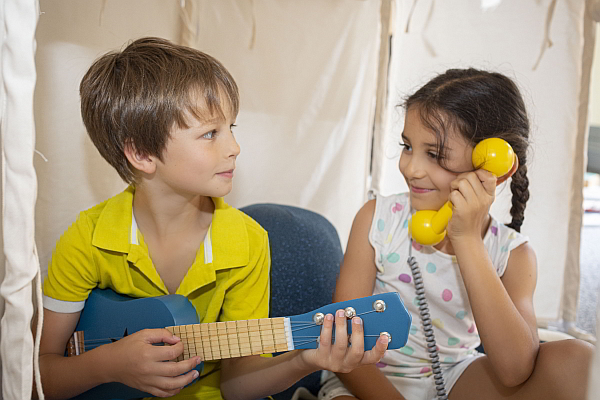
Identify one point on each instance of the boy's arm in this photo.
(132, 360)
(255, 377)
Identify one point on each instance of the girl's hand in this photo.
(139, 364)
(472, 195)
(339, 357)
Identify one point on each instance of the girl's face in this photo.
(428, 181)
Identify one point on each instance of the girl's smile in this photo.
(429, 182)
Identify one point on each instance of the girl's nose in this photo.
(412, 166)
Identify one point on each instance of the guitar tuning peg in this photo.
(350, 312)
(379, 305)
(388, 335)
(318, 318)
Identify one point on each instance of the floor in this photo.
(589, 261)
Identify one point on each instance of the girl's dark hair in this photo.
(137, 95)
(479, 105)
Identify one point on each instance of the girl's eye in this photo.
(210, 135)
(433, 155)
(405, 146)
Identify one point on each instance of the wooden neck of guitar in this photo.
(219, 340)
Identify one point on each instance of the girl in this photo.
(479, 281)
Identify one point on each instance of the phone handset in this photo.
(428, 227)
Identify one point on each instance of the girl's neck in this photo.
(445, 246)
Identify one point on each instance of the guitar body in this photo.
(108, 315)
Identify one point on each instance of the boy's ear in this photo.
(509, 173)
(139, 161)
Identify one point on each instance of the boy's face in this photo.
(200, 160)
(428, 182)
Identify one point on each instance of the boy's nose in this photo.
(233, 148)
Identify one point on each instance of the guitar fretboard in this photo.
(219, 340)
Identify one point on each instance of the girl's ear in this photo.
(142, 162)
(509, 173)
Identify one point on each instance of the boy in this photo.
(161, 115)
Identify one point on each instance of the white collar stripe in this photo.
(133, 238)
(208, 254)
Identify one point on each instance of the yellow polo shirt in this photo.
(228, 281)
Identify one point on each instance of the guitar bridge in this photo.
(76, 344)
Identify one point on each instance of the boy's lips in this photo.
(226, 174)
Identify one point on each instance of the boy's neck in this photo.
(166, 215)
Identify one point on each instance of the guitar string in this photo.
(305, 339)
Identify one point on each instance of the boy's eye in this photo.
(406, 146)
(210, 135)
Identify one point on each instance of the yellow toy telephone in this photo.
(428, 227)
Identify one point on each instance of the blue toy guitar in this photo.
(108, 316)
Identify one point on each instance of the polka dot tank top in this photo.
(453, 324)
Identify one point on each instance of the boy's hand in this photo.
(139, 364)
(339, 357)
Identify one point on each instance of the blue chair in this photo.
(305, 261)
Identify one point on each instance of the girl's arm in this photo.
(357, 279)
(132, 360)
(502, 308)
(255, 377)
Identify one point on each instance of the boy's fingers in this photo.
(341, 333)
(179, 367)
(159, 336)
(326, 332)
(356, 351)
(376, 353)
(358, 338)
(169, 386)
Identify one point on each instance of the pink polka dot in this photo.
(472, 328)
(381, 365)
(425, 370)
(416, 246)
(494, 230)
(447, 295)
(397, 207)
(405, 278)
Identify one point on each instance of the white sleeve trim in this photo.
(61, 306)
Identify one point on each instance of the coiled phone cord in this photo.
(427, 326)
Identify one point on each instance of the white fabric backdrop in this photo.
(71, 35)
(509, 39)
(307, 73)
(18, 20)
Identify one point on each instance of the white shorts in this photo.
(410, 388)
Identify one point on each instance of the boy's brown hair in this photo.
(136, 96)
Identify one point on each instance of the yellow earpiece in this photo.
(428, 227)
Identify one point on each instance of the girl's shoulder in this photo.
(392, 206)
(390, 220)
(499, 241)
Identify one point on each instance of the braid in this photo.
(519, 187)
